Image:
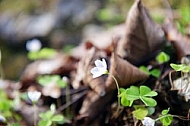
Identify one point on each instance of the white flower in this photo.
(147, 121)
(2, 119)
(33, 45)
(100, 69)
(34, 95)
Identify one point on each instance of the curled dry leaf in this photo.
(84, 76)
(60, 64)
(124, 72)
(94, 104)
(180, 42)
(142, 36)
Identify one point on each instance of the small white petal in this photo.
(96, 72)
(33, 45)
(34, 95)
(99, 63)
(2, 118)
(104, 63)
(147, 121)
(100, 69)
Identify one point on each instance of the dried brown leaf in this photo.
(124, 72)
(142, 36)
(84, 76)
(60, 64)
(180, 42)
(93, 105)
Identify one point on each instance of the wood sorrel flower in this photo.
(100, 69)
(33, 45)
(147, 121)
(34, 96)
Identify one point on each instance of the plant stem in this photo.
(164, 116)
(180, 117)
(34, 104)
(117, 85)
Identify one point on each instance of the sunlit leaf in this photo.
(166, 121)
(151, 110)
(148, 101)
(143, 68)
(146, 91)
(140, 113)
(164, 112)
(155, 73)
(132, 93)
(45, 123)
(180, 67)
(162, 57)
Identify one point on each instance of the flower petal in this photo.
(96, 72)
(104, 63)
(147, 121)
(99, 63)
(34, 96)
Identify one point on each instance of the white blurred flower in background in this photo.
(147, 121)
(33, 45)
(34, 96)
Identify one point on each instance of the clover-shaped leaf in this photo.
(155, 73)
(132, 93)
(124, 100)
(164, 112)
(148, 101)
(146, 91)
(140, 113)
(162, 57)
(180, 67)
(166, 119)
(57, 118)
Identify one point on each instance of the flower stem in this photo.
(34, 104)
(117, 85)
(180, 117)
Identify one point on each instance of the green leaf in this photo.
(122, 90)
(162, 57)
(140, 113)
(148, 101)
(57, 118)
(125, 102)
(132, 93)
(53, 108)
(43, 53)
(146, 91)
(67, 49)
(180, 67)
(155, 73)
(165, 111)
(143, 68)
(166, 121)
(47, 115)
(45, 123)
(151, 110)
(61, 83)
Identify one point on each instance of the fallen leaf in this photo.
(180, 42)
(142, 38)
(124, 72)
(84, 76)
(60, 64)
